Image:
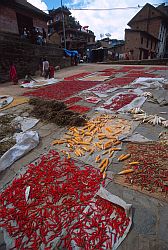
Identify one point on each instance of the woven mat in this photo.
(17, 101)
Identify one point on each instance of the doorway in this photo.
(24, 22)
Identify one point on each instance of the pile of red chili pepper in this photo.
(79, 108)
(121, 81)
(73, 100)
(55, 211)
(158, 68)
(140, 74)
(62, 90)
(120, 101)
(152, 172)
(101, 88)
(99, 227)
(76, 77)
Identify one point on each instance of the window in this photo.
(141, 40)
(147, 43)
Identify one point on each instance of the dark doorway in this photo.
(24, 22)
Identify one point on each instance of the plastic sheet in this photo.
(149, 82)
(93, 99)
(5, 100)
(136, 137)
(25, 142)
(25, 123)
(136, 103)
(34, 84)
(103, 193)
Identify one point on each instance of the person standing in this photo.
(13, 74)
(46, 68)
(44, 36)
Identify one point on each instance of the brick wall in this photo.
(8, 21)
(132, 42)
(148, 20)
(40, 23)
(26, 56)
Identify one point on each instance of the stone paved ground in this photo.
(150, 216)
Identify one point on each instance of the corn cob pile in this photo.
(151, 119)
(99, 137)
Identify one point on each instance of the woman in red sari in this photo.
(13, 74)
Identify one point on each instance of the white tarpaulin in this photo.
(136, 103)
(149, 82)
(103, 193)
(25, 142)
(5, 100)
(34, 84)
(25, 123)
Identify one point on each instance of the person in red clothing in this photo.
(13, 74)
(51, 71)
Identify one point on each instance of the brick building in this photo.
(15, 15)
(77, 37)
(147, 35)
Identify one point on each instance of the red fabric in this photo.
(52, 70)
(13, 74)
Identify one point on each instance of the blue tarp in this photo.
(71, 53)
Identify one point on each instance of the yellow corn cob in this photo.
(94, 131)
(71, 129)
(125, 157)
(84, 143)
(101, 164)
(109, 129)
(76, 130)
(77, 142)
(76, 153)
(86, 148)
(97, 159)
(91, 152)
(133, 163)
(120, 157)
(116, 149)
(88, 134)
(104, 165)
(127, 171)
(90, 139)
(111, 153)
(76, 134)
(117, 143)
(101, 137)
(91, 128)
(107, 145)
(58, 142)
(105, 152)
